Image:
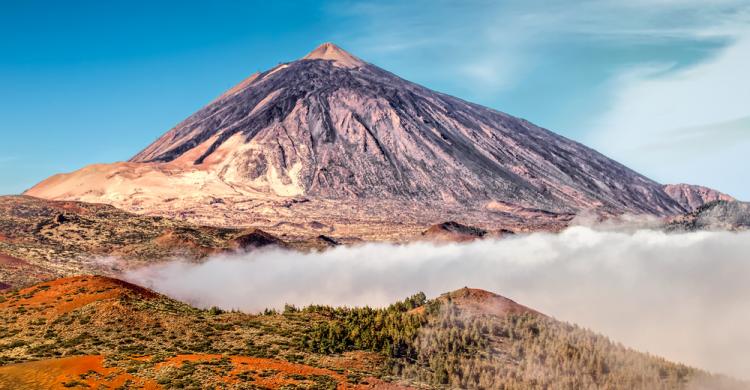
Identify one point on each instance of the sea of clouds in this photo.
(684, 296)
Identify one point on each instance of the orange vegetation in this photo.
(67, 372)
(281, 369)
(90, 371)
(280, 372)
(67, 294)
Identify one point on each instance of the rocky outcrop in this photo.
(256, 239)
(453, 231)
(474, 301)
(691, 197)
(716, 215)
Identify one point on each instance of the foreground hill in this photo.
(332, 138)
(96, 331)
(91, 331)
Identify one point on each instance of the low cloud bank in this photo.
(682, 296)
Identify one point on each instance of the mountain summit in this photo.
(343, 141)
(329, 51)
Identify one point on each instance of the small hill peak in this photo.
(474, 301)
(331, 52)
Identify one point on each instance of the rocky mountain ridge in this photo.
(691, 197)
(333, 139)
(719, 215)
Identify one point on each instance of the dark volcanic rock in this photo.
(328, 240)
(453, 231)
(256, 239)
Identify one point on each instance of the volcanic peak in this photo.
(330, 52)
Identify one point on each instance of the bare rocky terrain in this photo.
(691, 197)
(42, 239)
(719, 215)
(334, 142)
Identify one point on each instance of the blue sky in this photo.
(660, 85)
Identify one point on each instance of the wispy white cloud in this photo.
(684, 125)
(709, 92)
(483, 35)
(463, 41)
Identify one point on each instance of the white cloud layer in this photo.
(682, 296)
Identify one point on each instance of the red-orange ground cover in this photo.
(56, 373)
(67, 294)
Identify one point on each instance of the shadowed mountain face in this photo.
(332, 127)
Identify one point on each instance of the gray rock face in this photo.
(339, 128)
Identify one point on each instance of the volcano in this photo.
(331, 140)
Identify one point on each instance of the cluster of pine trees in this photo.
(530, 351)
(436, 343)
(391, 331)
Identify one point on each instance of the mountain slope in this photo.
(332, 127)
(716, 215)
(691, 197)
(92, 331)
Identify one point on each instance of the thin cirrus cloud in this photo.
(451, 36)
(687, 125)
(480, 36)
